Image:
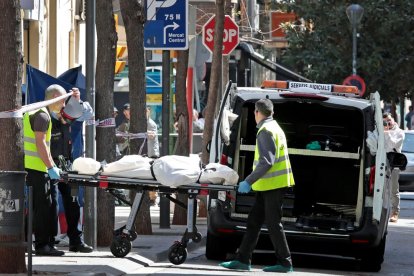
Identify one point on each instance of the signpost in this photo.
(357, 81)
(166, 27)
(230, 35)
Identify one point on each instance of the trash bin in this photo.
(12, 185)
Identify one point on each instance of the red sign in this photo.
(278, 18)
(357, 81)
(230, 35)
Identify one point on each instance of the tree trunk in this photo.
(106, 54)
(183, 143)
(214, 80)
(12, 259)
(182, 115)
(133, 16)
(226, 59)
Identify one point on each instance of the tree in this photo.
(133, 16)
(106, 54)
(12, 258)
(180, 214)
(321, 47)
(182, 115)
(214, 80)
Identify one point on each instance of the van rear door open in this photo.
(381, 168)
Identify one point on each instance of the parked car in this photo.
(339, 204)
(407, 176)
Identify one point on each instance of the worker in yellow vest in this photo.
(42, 171)
(270, 178)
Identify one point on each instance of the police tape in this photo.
(131, 135)
(110, 122)
(18, 113)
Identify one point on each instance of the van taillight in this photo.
(225, 230)
(359, 241)
(371, 181)
(224, 159)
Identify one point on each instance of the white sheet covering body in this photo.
(219, 174)
(86, 165)
(170, 170)
(176, 170)
(131, 166)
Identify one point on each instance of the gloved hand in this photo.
(244, 187)
(54, 172)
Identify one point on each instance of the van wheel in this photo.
(371, 261)
(216, 248)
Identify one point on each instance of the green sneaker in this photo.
(235, 265)
(278, 268)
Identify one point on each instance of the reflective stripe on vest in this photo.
(31, 156)
(280, 174)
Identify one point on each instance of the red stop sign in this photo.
(230, 34)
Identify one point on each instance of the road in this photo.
(399, 256)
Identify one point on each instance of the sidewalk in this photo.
(146, 250)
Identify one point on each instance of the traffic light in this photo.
(119, 64)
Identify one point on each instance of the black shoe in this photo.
(83, 248)
(48, 251)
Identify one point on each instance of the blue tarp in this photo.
(38, 81)
(75, 77)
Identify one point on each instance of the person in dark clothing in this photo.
(408, 118)
(271, 176)
(61, 145)
(123, 128)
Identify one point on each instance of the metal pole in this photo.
(164, 202)
(30, 232)
(354, 49)
(90, 193)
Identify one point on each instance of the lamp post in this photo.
(354, 13)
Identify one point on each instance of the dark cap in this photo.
(126, 106)
(386, 115)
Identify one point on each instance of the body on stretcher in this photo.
(121, 244)
(170, 170)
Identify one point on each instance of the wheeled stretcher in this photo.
(121, 244)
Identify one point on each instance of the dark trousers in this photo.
(45, 221)
(72, 212)
(266, 209)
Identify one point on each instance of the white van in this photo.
(340, 202)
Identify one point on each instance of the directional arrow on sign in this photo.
(174, 26)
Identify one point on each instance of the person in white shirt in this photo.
(394, 137)
(152, 132)
(153, 148)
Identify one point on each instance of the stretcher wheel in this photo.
(197, 237)
(177, 253)
(120, 246)
(132, 235)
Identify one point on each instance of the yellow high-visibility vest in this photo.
(31, 156)
(280, 174)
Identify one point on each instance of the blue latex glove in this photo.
(54, 173)
(244, 187)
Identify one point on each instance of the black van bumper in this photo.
(353, 244)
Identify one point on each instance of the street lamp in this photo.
(354, 13)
